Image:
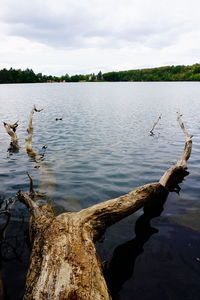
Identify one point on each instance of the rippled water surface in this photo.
(101, 149)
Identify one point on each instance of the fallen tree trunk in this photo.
(64, 261)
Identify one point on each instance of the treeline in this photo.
(168, 73)
(28, 76)
(18, 76)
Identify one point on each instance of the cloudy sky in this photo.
(83, 36)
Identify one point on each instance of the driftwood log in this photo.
(64, 261)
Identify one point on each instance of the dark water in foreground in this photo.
(100, 150)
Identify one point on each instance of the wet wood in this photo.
(28, 145)
(169, 179)
(11, 130)
(64, 260)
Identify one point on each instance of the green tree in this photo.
(99, 76)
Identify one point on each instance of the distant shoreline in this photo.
(80, 82)
(178, 73)
(18, 83)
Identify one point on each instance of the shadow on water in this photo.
(121, 267)
(14, 257)
(14, 252)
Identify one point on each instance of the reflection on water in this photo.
(14, 259)
(121, 266)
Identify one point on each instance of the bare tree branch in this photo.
(11, 130)
(31, 205)
(154, 125)
(169, 179)
(31, 190)
(28, 145)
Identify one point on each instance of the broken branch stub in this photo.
(11, 130)
(64, 260)
(154, 125)
(169, 179)
(28, 145)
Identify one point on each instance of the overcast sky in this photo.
(83, 36)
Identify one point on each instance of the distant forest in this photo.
(167, 73)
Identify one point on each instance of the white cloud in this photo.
(87, 35)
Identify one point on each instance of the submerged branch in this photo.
(30, 204)
(154, 125)
(7, 213)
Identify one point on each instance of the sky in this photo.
(85, 36)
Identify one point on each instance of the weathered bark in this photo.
(11, 130)
(28, 144)
(64, 261)
(171, 176)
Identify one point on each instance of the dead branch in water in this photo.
(11, 130)
(28, 145)
(64, 261)
(5, 211)
(154, 125)
(172, 174)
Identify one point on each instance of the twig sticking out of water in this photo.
(154, 125)
(31, 190)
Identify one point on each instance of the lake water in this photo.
(101, 149)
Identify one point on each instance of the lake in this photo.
(102, 149)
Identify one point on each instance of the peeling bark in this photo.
(64, 261)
